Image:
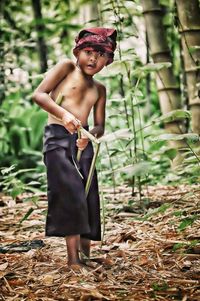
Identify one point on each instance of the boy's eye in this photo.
(88, 52)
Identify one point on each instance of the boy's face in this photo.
(91, 61)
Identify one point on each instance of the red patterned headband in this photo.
(98, 38)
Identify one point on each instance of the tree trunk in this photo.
(2, 57)
(88, 12)
(42, 48)
(168, 88)
(189, 28)
(148, 82)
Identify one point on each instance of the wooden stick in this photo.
(91, 171)
(89, 135)
(59, 99)
(79, 151)
(83, 131)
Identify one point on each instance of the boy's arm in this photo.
(99, 113)
(51, 80)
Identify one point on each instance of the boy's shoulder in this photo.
(101, 88)
(67, 63)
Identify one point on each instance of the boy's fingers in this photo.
(78, 122)
(81, 144)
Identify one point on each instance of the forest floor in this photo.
(144, 256)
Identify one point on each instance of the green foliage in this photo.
(159, 210)
(185, 246)
(151, 67)
(193, 138)
(26, 216)
(160, 286)
(12, 182)
(134, 149)
(137, 169)
(188, 221)
(175, 115)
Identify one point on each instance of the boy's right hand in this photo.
(70, 122)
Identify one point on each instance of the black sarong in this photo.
(69, 212)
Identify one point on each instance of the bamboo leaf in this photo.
(120, 134)
(175, 115)
(186, 222)
(171, 153)
(116, 68)
(193, 138)
(7, 170)
(137, 169)
(151, 67)
(28, 213)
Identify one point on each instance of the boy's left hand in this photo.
(82, 142)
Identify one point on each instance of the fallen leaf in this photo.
(3, 266)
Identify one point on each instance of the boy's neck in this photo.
(86, 76)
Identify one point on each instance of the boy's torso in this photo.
(79, 95)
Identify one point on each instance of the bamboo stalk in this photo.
(89, 135)
(79, 151)
(83, 131)
(59, 99)
(91, 171)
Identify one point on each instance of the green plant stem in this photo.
(91, 171)
(111, 166)
(79, 151)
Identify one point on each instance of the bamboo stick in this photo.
(59, 99)
(79, 151)
(83, 131)
(91, 171)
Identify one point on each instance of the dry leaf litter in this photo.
(151, 253)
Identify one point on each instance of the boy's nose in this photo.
(94, 57)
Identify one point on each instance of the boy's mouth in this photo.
(91, 66)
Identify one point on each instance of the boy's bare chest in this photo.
(78, 91)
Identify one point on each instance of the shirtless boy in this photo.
(70, 213)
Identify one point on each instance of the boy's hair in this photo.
(99, 38)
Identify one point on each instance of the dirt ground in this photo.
(150, 249)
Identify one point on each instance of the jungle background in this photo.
(148, 164)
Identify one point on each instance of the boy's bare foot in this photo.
(76, 267)
(85, 247)
(73, 242)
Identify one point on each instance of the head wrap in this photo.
(99, 38)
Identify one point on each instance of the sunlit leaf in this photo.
(175, 115)
(26, 216)
(151, 67)
(175, 137)
(186, 222)
(137, 169)
(120, 134)
(7, 170)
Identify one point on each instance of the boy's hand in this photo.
(70, 122)
(82, 142)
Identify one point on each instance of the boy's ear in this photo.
(77, 52)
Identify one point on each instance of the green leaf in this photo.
(160, 286)
(178, 246)
(7, 170)
(16, 190)
(137, 169)
(188, 221)
(119, 134)
(117, 67)
(151, 67)
(175, 115)
(28, 213)
(166, 137)
(158, 210)
(171, 153)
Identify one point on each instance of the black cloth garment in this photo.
(69, 212)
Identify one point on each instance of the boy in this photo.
(70, 214)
